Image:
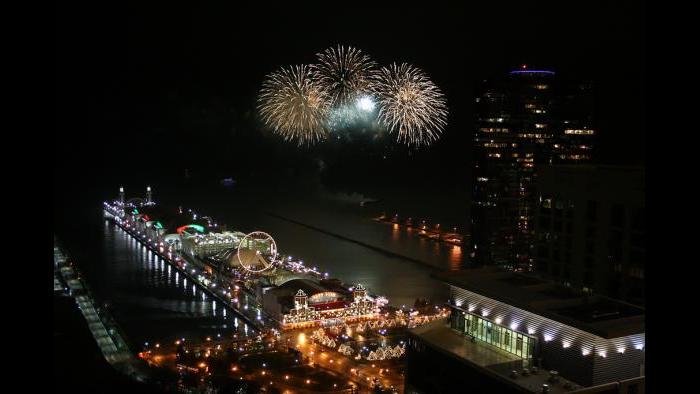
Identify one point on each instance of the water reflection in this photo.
(395, 232)
(150, 299)
(455, 258)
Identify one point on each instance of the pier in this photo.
(107, 334)
(424, 229)
(180, 263)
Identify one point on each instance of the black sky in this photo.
(177, 85)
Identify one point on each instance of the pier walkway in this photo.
(112, 345)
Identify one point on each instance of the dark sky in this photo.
(175, 86)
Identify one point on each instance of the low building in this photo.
(209, 244)
(510, 322)
(307, 303)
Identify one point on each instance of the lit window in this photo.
(579, 131)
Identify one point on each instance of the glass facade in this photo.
(497, 335)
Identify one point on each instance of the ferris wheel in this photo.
(256, 252)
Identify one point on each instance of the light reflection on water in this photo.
(455, 257)
(153, 302)
(150, 300)
(358, 250)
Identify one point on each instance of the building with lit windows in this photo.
(590, 229)
(504, 326)
(525, 120)
(575, 134)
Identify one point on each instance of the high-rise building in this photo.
(573, 114)
(528, 118)
(591, 229)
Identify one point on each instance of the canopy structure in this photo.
(193, 226)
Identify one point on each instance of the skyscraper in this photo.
(525, 119)
(573, 114)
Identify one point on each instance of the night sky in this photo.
(175, 87)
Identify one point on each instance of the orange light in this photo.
(308, 381)
(234, 369)
(286, 377)
(202, 365)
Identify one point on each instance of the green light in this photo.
(135, 211)
(158, 225)
(194, 226)
(197, 227)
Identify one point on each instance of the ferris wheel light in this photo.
(257, 238)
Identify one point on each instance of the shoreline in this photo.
(357, 242)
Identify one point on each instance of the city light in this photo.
(334, 316)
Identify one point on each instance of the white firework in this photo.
(410, 104)
(293, 104)
(344, 73)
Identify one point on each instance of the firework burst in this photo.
(409, 104)
(344, 73)
(293, 104)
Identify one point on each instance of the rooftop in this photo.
(310, 287)
(171, 218)
(438, 333)
(597, 315)
(498, 362)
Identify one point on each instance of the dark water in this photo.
(401, 280)
(149, 299)
(153, 303)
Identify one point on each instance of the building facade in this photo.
(525, 120)
(306, 303)
(209, 244)
(588, 340)
(591, 229)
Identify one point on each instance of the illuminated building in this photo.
(169, 225)
(526, 120)
(575, 135)
(205, 245)
(504, 325)
(590, 229)
(303, 302)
